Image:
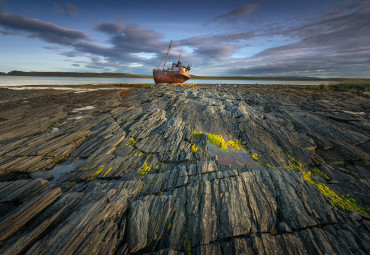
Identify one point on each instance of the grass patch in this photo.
(351, 85)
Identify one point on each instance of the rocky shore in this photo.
(170, 169)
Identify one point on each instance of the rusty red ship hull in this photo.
(168, 76)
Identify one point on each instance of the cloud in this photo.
(333, 42)
(132, 38)
(239, 13)
(220, 51)
(67, 10)
(311, 62)
(110, 28)
(217, 39)
(214, 49)
(8, 32)
(332, 45)
(127, 43)
(51, 48)
(46, 31)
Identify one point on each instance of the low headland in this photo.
(197, 77)
(185, 169)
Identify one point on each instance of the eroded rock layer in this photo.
(119, 172)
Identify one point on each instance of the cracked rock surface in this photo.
(133, 171)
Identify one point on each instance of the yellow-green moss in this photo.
(144, 169)
(366, 161)
(255, 156)
(348, 204)
(199, 133)
(337, 163)
(106, 172)
(186, 242)
(133, 140)
(194, 148)
(333, 198)
(97, 172)
(320, 173)
(219, 141)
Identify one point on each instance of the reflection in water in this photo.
(236, 158)
(64, 168)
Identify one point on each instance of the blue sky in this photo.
(326, 38)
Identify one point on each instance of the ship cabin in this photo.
(179, 67)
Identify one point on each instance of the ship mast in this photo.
(168, 51)
(180, 55)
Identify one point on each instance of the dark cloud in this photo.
(126, 40)
(46, 31)
(239, 13)
(214, 49)
(70, 54)
(335, 44)
(132, 38)
(75, 64)
(217, 39)
(110, 28)
(309, 63)
(67, 10)
(8, 32)
(51, 48)
(218, 51)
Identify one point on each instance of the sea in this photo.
(9, 81)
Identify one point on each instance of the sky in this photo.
(316, 38)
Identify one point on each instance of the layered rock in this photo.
(137, 179)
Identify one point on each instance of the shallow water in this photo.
(236, 158)
(86, 108)
(64, 168)
(7, 81)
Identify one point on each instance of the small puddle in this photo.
(236, 158)
(75, 118)
(64, 168)
(86, 108)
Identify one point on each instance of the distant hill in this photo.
(253, 78)
(74, 74)
(128, 75)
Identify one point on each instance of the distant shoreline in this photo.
(126, 75)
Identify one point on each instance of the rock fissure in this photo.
(141, 186)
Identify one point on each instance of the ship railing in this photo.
(186, 65)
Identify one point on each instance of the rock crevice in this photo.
(133, 172)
